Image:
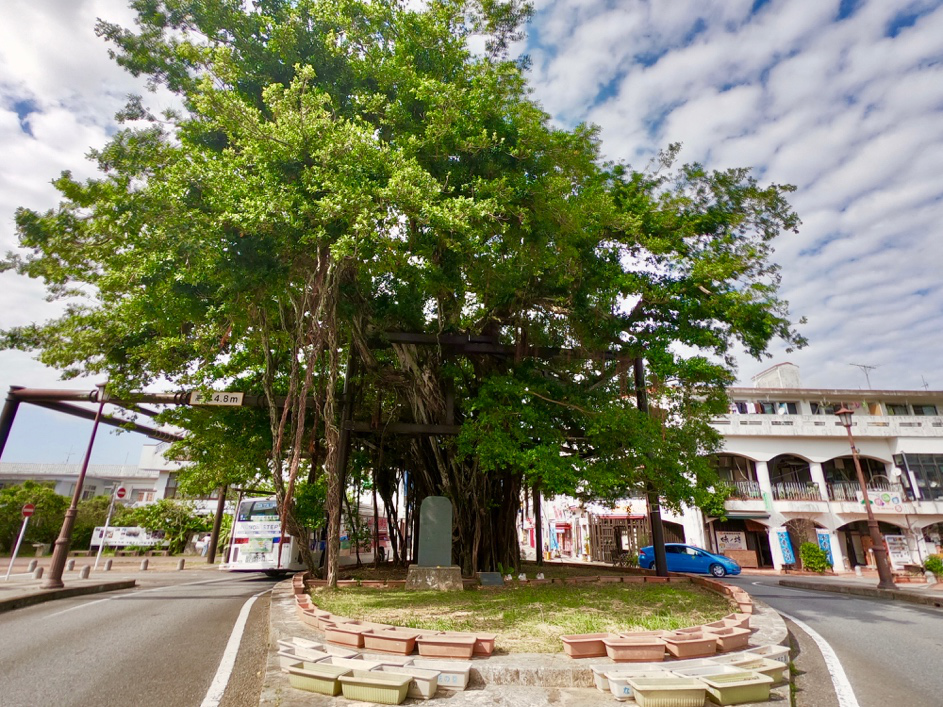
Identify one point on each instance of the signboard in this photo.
(216, 398)
(898, 551)
(121, 493)
(263, 545)
(731, 540)
(785, 546)
(825, 542)
(123, 537)
(883, 501)
(28, 510)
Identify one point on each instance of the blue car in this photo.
(687, 558)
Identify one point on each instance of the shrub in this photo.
(814, 558)
(934, 563)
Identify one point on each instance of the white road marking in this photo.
(135, 594)
(218, 686)
(843, 689)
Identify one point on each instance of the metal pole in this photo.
(217, 524)
(111, 508)
(16, 549)
(61, 552)
(232, 528)
(7, 415)
(885, 578)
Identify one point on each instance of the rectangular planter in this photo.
(383, 688)
(585, 645)
(667, 691)
(737, 689)
(618, 680)
(453, 674)
(708, 671)
(741, 620)
(320, 678)
(484, 642)
(326, 619)
(730, 638)
(780, 653)
(345, 634)
(293, 642)
(307, 656)
(770, 668)
(643, 634)
(390, 641)
(691, 645)
(397, 660)
(642, 649)
(445, 646)
(339, 652)
(690, 629)
(355, 663)
(423, 683)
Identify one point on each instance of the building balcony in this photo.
(797, 491)
(851, 490)
(745, 490)
(828, 426)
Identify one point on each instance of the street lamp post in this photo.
(885, 579)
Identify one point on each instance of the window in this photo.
(170, 490)
(928, 473)
(924, 409)
(825, 408)
(897, 409)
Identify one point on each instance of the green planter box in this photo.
(667, 691)
(318, 678)
(370, 686)
(737, 689)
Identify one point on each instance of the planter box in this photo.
(338, 652)
(310, 618)
(709, 671)
(319, 678)
(771, 668)
(345, 634)
(689, 629)
(772, 652)
(307, 656)
(293, 642)
(618, 680)
(656, 580)
(691, 645)
(737, 689)
(315, 582)
(642, 649)
(667, 691)
(327, 619)
(392, 660)
(390, 641)
(730, 638)
(445, 646)
(741, 620)
(745, 607)
(354, 663)
(383, 688)
(423, 683)
(484, 642)
(453, 674)
(581, 580)
(599, 676)
(610, 579)
(341, 583)
(585, 645)
(633, 580)
(373, 583)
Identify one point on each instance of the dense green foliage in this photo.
(178, 521)
(814, 558)
(344, 169)
(934, 563)
(43, 525)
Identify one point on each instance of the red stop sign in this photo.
(121, 493)
(28, 510)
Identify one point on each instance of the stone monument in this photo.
(434, 569)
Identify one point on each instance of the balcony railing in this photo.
(849, 490)
(745, 490)
(797, 491)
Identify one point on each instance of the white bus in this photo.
(256, 536)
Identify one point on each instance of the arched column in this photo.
(818, 476)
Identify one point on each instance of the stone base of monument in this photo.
(441, 578)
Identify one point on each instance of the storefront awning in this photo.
(747, 516)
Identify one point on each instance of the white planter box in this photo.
(773, 652)
(618, 680)
(453, 674)
(424, 683)
(667, 691)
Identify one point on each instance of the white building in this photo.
(100, 479)
(789, 461)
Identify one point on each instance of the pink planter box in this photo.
(642, 649)
(741, 620)
(691, 645)
(585, 645)
(729, 638)
(390, 641)
(345, 634)
(484, 642)
(445, 646)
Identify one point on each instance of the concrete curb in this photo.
(924, 599)
(64, 593)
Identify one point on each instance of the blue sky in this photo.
(842, 98)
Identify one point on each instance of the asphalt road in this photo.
(891, 652)
(160, 644)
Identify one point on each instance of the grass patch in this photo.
(532, 619)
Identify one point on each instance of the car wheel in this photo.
(651, 565)
(718, 570)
